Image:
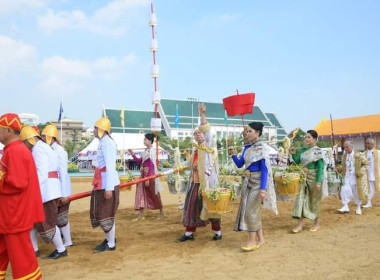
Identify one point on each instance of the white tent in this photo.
(124, 142)
(272, 151)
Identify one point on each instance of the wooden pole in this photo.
(88, 193)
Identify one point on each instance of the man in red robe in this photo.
(20, 203)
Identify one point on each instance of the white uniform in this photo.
(64, 177)
(46, 161)
(349, 189)
(371, 175)
(106, 157)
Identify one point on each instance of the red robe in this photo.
(20, 195)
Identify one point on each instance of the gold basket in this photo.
(287, 183)
(125, 179)
(221, 205)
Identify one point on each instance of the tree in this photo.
(70, 148)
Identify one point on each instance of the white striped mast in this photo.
(155, 122)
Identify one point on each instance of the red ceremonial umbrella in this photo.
(239, 104)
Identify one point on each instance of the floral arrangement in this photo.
(186, 178)
(171, 179)
(214, 194)
(287, 175)
(166, 164)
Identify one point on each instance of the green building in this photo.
(140, 121)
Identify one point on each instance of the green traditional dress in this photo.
(307, 204)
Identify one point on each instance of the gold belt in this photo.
(249, 173)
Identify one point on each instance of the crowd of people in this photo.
(35, 186)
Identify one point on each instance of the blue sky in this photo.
(303, 59)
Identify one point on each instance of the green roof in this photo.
(139, 121)
(281, 133)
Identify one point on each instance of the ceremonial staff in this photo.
(160, 174)
(333, 141)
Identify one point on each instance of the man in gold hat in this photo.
(47, 168)
(105, 194)
(50, 135)
(20, 203)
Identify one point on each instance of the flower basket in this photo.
(172, 189)
(172, 183)
(125, 179)
(217, 200)
(287, 183)
(239, 104)
(183, 187)
(334, 183)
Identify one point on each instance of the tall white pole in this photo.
(61, 121)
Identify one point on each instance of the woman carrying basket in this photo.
(307, 204)
(257, 187)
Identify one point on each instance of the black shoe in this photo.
(37, 253)
(101, 245)
(105, 248)
(185, 237)
(217, 237)
(104, 243)
(56, 255)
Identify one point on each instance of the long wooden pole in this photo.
(88, 193)
(333, 141)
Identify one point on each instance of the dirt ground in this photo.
(346, 247)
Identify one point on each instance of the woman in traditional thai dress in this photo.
(307, 204)
(257, 187)
(148, 192)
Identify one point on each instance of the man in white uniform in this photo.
(50, 136)
(47, 169)
(372, 155)
(352, 167)
(105, 194)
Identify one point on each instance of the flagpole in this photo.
(123, 158)
(176, 124)
(61, 111)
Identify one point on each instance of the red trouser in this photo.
(215, 225)
(17, 249)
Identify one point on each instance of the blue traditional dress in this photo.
(258, 176)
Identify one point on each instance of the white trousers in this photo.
(348, 193)
(371, 190)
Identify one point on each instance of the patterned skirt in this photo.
(46, 229)
(146, 198)
(249, 214)
(193, 207)
(308, 201)
(63, 214)
(103, 211)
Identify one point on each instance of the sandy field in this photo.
(346, 247)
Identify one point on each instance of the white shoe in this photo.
(368, 205)
(344, 209)
(358, 210)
